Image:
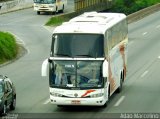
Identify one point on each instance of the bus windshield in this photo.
(76, 74)
(78, 45)
(44, 1)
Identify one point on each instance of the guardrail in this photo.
(142, 13)
(88, 5)
(15, 5)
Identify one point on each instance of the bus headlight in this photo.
(97, 95)
(55, 94)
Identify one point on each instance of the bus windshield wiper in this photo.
(64, 55)
(83, 55)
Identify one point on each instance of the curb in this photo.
(143, 13)
(21, 52)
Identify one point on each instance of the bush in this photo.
(130, 6)
(8, 47)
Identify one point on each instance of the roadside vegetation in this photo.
(131, 6)
(57, 20)
(8, 47)
(121, 6)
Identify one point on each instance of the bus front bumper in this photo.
(99, 101)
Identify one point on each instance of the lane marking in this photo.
(144, 74)
(145, 33)
(119, 101)
(46, 102)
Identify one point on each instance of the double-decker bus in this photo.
(88, 59)
(51, 6)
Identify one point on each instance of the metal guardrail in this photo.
(14, 5)
(81, 5)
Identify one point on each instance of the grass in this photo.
(131, 6)
(57, 20)
(8, 47)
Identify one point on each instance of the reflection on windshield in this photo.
(77, 45)
(81, 74)
(44, 1)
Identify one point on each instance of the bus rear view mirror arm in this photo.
(44, 67)
(105, 68)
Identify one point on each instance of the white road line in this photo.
(119, 101)
(144, 74)
(46, 102)
(144, 33)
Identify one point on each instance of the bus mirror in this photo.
(44, 68)
(105, 68)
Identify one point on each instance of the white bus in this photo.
(88, 59)
(51, 6)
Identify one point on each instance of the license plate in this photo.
(76, 102)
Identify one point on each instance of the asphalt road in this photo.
(140, 91)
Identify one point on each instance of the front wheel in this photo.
(38, 12)
(62, 10)
(13, 104)
(120, 87)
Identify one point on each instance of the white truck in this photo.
(52, 6)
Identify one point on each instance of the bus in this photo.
(52, 6)
(88, 59)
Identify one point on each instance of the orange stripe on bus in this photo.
(87, 92)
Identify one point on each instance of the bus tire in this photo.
(38, 12)
(13, 103)
(62, 10)
(121, 84)
(60, 106)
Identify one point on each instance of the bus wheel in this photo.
(121, 84)
(62, 10)
(38, 12)
(60, 106)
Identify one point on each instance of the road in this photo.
(140, 91)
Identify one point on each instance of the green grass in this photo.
(8, 47)
(57, 20)
(131, 6)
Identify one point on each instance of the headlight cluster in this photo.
(56, 94)
(97, 95)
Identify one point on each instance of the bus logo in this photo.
(76, 95)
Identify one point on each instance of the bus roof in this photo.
(90, 22)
